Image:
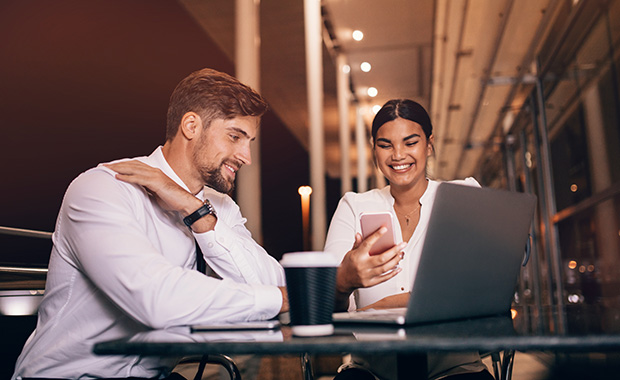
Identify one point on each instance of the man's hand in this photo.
(168, 194)
(285, 306)
(359, 269)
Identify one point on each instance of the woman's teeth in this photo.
(401, 167)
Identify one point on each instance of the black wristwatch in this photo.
(204, 210)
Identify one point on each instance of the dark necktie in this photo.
(201, 265)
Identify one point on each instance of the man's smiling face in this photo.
(223, 147)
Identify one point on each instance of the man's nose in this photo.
(245, 154)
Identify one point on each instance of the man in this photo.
(124, 253)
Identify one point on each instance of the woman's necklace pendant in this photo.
(407, 215)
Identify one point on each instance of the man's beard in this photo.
(212, 175)
(215, 180)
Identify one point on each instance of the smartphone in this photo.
(371, 222)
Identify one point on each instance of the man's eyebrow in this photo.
(242, 132)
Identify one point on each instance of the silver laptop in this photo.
(472, 254)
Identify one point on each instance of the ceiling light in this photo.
(357, 35)
(376, 108)
(365, 66)
(372, 92)
(346, 69)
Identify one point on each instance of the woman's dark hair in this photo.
(405, 109)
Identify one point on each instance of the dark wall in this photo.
(84, 82)
(284, 169)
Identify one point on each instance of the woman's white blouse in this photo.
(346, 223)
(340, 238)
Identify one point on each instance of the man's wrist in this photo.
(202, 211)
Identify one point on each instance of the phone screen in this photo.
(371, 222)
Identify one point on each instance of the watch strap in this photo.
(204, 210)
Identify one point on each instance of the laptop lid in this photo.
(472, 253)
(471, 258)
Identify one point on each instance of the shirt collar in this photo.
(157, 159)
(428, 193)
(431, 188)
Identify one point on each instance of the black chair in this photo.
(225, 361)
(501, 362)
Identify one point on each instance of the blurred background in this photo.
(523, 95)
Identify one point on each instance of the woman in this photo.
(402, 142)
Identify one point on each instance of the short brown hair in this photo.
(212, 95)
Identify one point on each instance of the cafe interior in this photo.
(523, 96)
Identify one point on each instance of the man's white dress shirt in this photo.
(340, 238)
(120, 264)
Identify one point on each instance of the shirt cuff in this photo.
(269, 298)
(214, 243)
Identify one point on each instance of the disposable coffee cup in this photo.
(311, 286)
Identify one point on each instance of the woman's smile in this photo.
(401, 167)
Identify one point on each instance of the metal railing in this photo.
(25, 233)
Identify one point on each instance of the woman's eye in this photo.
(412, 143)
(383, 146)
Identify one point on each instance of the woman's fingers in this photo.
(358, 240)
(359, 269)
(385, 276)
(367, 243)
(390, 257)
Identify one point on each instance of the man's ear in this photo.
(191, 125)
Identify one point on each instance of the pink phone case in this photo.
(371, 222)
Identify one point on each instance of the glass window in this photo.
(556, 105)
(610, 107)
(569, 156)
(590, 244)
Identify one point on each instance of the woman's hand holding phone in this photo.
(371, 222)
(360, 269)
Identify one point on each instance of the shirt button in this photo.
(210, 245)
(403, 289)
